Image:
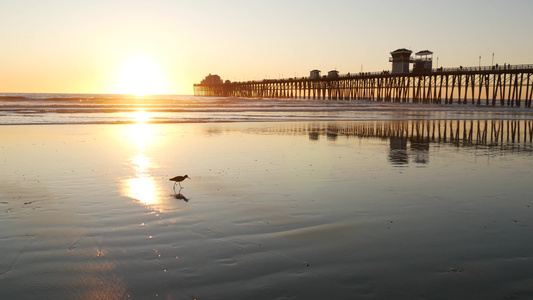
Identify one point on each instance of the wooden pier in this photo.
(507, 85)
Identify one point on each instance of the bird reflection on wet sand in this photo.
(181, 197)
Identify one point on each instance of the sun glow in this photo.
(141, 116)
(141, 76)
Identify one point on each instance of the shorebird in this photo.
(177, 180)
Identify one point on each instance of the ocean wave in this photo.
(117, 109)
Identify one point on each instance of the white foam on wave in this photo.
(111, 109)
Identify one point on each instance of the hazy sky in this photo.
(97, 46)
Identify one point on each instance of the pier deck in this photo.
(490, 86)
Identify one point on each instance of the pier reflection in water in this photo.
(411, 140)
(458, 132)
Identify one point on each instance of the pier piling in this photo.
(490, 86)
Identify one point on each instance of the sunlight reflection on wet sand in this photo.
(144, 187)
(384, 210)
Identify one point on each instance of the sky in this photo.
(165, 46)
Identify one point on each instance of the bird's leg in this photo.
(180, 185)
(174, 188)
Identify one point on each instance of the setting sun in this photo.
(141, 76)
(141, 116)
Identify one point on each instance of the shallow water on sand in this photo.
(296, 210)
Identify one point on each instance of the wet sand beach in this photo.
(266, 150)
(285, 210)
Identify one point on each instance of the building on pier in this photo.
(401, 58)
(212, 80)
(423, 62)
(315, 74)
(333, 74)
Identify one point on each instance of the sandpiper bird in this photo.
(177, 180)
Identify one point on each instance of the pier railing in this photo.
(508, 85)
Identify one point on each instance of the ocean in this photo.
(115, 109)
(287, 199)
